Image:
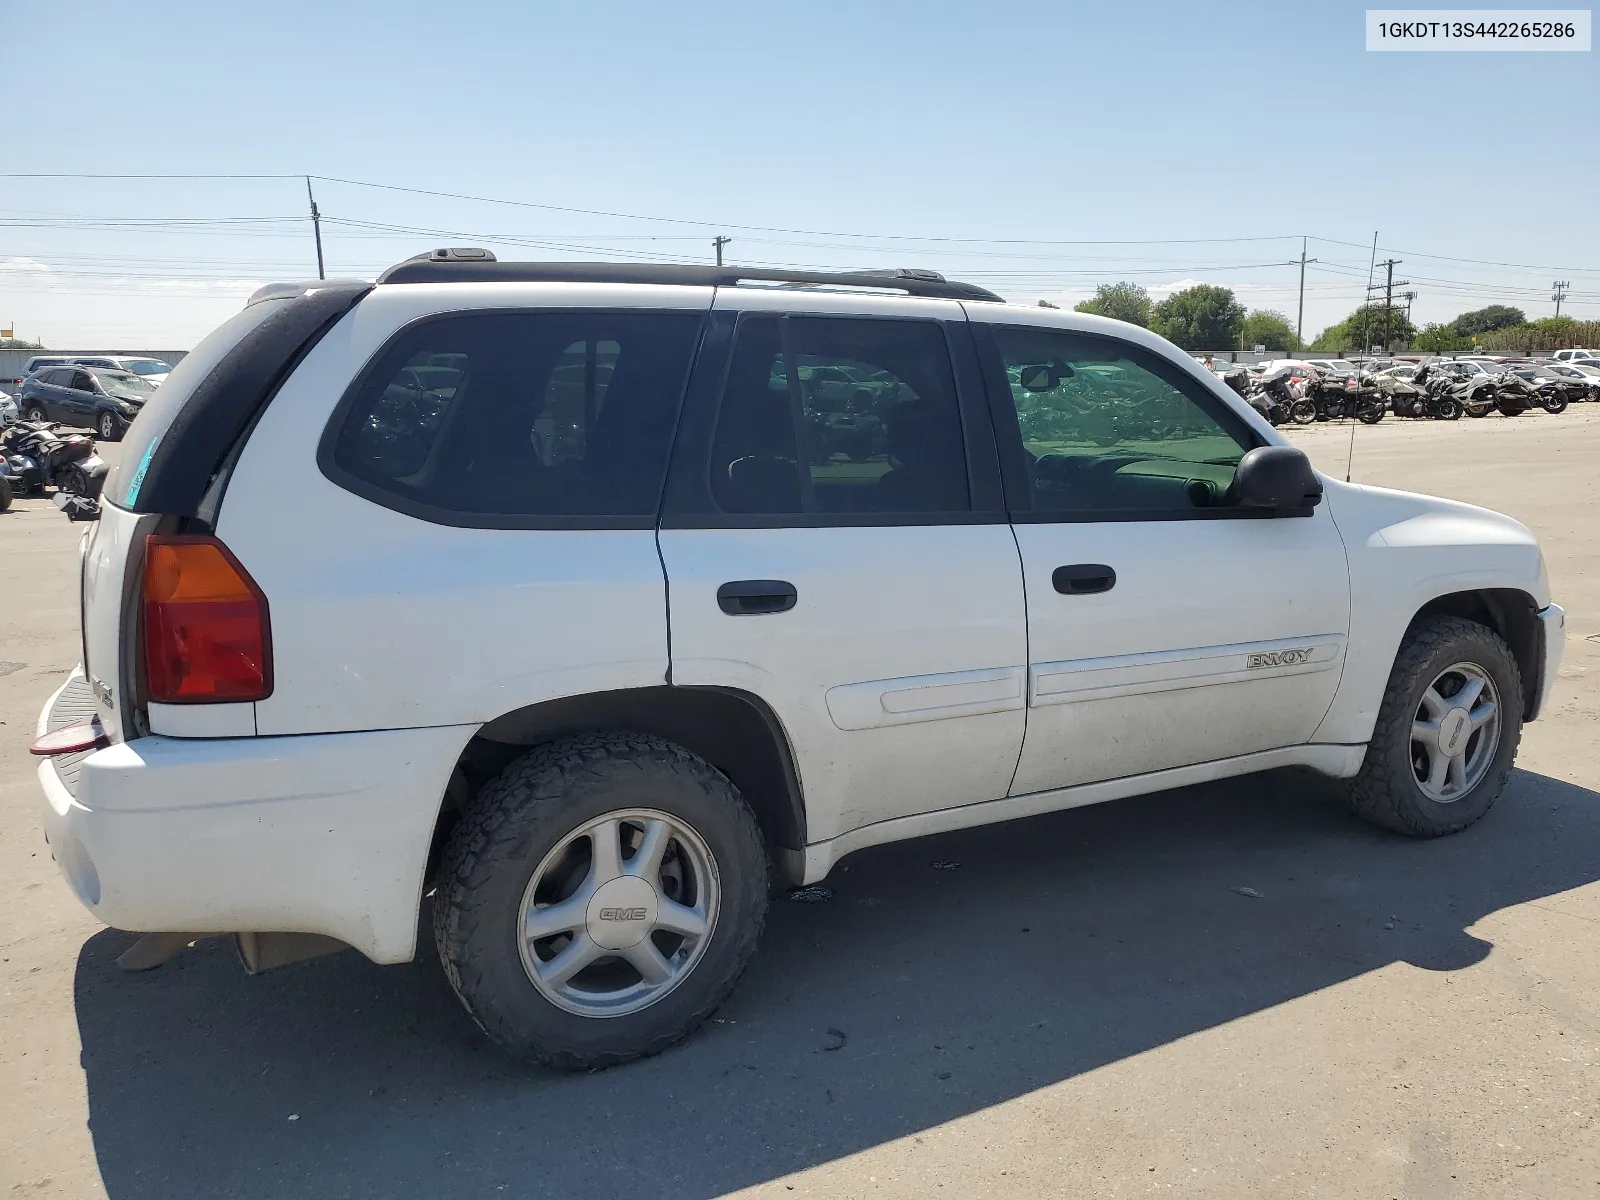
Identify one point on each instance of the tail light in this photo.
(207, 637)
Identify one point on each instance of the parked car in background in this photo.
(1298, 367)
(1338, 366)
(9, 411)
(96, 398)
(1569, 355)
(37, 363)
(152, 369)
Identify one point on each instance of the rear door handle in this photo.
(1083, 579)
(756, 597)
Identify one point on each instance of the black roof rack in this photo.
(469, 265)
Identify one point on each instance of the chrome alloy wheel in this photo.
(619, 913)
(1455, 732)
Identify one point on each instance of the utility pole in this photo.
(1408, 297)
(1561, 286)
(1388, 265)
(719, 242)
(1300, 316)
(316, 228)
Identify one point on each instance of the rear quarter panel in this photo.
(1404, 550)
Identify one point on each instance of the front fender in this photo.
(1405, 550)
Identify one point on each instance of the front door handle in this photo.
(756, 597)
(1083, 579)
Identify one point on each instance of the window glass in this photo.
(82, 382)
(1109, 427)
(523, 414)
(846, 416)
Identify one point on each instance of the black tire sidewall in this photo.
(492, 980)
(1482, 649)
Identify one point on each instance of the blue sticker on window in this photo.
(131, 497)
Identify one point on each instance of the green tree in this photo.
(1203, 317)
(1366, 327)
(18, 344)
(1265, 327)
(1120, 301)
(1486, 320)
(1438, 339)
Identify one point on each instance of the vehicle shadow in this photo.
(942, 976)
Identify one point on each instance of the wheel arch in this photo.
(1514, 616)
(734, 730)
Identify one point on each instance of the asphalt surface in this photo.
(1224, 991)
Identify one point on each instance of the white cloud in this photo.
(25, 266)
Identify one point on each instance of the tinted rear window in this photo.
(511, 418)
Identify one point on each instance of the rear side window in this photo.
(516, 419)
(839, 416)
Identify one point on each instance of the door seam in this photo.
(1027, 660)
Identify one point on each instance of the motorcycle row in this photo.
(35, 455)
(1292, 395)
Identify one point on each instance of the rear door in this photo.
(835, 544)
(1165, 626)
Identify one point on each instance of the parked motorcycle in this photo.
(1279, 398)
(1340, 397)
(1514, 395)
(1426, 394)
(37, 456)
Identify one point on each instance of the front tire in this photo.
(1302, 412)
(108, 427)
(1555, 404)
(571, 851)
(37, 414)
(1447, 731)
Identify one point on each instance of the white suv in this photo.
(595, 600)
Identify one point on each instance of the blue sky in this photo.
(1026, 131)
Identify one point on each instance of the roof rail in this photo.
(455, 266)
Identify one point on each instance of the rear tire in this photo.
(1389, 791)
(1479, 410)
(5, 494)
(1448, 409)
(517, 835)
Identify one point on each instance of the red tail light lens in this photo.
(206, 633)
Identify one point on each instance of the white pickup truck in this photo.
(595, 600)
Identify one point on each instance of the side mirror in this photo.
(1043, 377)
(1278, 478)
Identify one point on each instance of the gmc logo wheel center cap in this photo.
(621, 912)
(1453, 729)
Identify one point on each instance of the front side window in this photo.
(519, 415)
(843, 416)
(1108, 427)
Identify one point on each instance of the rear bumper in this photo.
(1553, 640)
(323, 834)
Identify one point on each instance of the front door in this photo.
(835, 545)
(1165, 626)
(79, 400)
